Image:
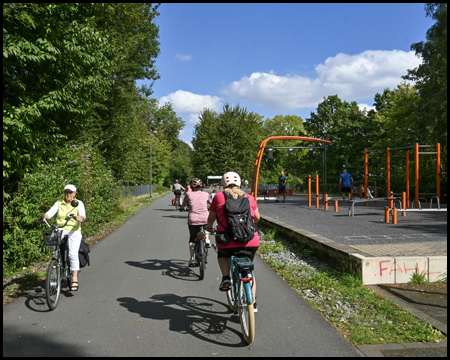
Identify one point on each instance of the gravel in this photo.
(331, 305)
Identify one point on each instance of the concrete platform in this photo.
(379, 252)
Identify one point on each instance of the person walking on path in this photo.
(345, 184)
(282, 186)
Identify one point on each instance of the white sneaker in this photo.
(255, 308)
(191, 263)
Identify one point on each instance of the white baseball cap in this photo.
(70, 187)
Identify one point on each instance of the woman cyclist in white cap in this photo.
(63, 208)
(231, 183)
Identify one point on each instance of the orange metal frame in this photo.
(416, 172)
(261, 152)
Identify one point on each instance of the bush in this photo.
(81, 166)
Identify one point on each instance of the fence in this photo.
(135, 190)
(273, 187)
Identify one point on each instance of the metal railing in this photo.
(273, 187)
(135, 190)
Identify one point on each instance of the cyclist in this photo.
(177, 190)
(231, 183)
(197, 201)
(63, 208)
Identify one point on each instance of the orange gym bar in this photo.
(260, 153)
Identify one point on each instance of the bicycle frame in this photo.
(200, 251)
(241, 268)
(63, 264)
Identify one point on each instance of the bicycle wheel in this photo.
(53, 284)
(231, 298)
(246, 316)
(177, 203)
(201, 259)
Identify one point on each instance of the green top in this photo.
(63, 211)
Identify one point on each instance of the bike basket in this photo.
(244, 264)
(52, 238)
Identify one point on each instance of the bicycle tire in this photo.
(231, 298)
(201, 259)
(246, 316)
(177, 203)
(53, 285)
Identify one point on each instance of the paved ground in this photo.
(417, 233)
(423, 234)
(140, 298)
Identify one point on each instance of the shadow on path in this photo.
(203, 318)
(175, 268)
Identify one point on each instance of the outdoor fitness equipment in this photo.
(262, 147)
(416, 148)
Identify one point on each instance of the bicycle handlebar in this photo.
(54, 227)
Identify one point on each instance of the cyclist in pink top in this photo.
(197, 201)
(231, 183)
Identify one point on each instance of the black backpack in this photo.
(83, 254)
(240, 223)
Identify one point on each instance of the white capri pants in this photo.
(74, 245)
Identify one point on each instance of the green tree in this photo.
(56, 71)
(227, 141)
(431, 76)
(350, 132)
(290, 162)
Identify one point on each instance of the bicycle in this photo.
(200, 252)
(59, 267)
(177, 202)
(240, 294)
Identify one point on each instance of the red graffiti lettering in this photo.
(406, 270)
(395, 267)
(381, 269)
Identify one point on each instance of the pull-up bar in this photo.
(416, 148)
(261, 151)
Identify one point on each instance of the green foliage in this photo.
(351, 132)
(292, 163)
(227, 141)
(56, 70)
(419, 279)
(431, 76)
(80, 165)
(181, 164)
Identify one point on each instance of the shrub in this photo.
(81, 166)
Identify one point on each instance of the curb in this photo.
(416, 349)
(417, 313)
(369, 268)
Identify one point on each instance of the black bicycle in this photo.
(59, 267)
(201, 252)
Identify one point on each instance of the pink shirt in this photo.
(198, 208)
(218, 207)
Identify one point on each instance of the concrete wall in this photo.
(370, 269)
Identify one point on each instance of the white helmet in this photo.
(231, 178)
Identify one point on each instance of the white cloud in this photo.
(352, 77)
(366, 107)
(187, 102)
(193, 119)
(183, 57)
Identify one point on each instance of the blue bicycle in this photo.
(240, 294)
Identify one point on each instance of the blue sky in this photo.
(282, 58)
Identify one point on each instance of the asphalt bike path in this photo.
(140, 298)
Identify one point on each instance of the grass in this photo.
(418, 279)
(361, 315)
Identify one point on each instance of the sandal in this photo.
(72, 286)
